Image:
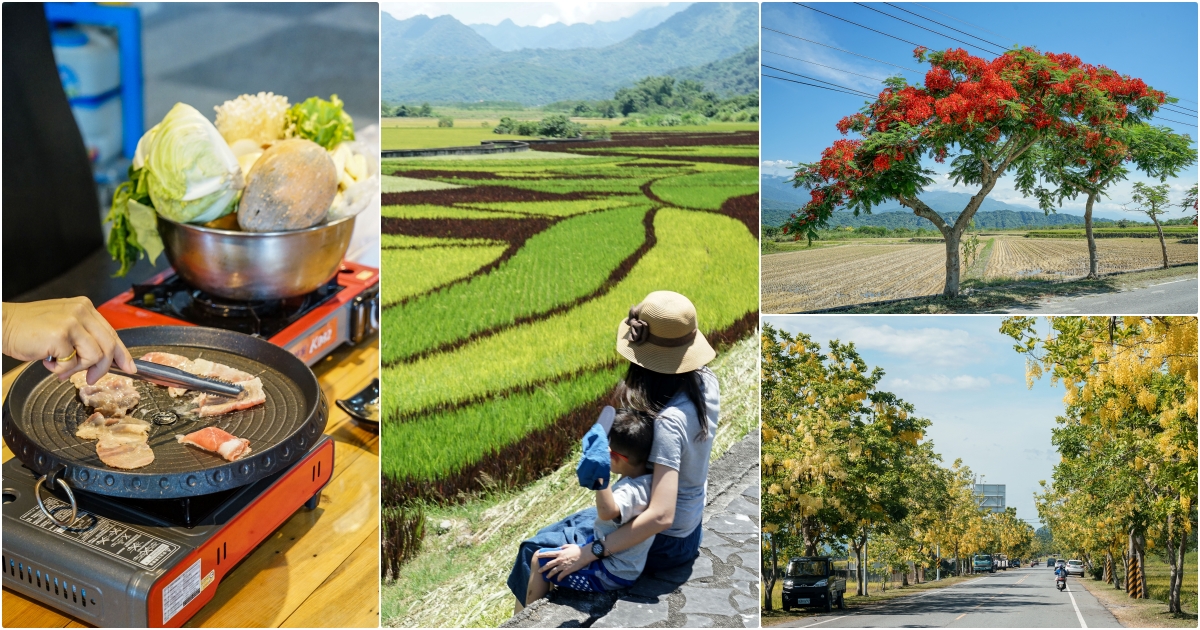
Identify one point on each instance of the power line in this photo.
(859, 25)
(768, 76)
(997, 34)
(804, 76)
(964, 21)
(1002, 47)
(1175, 121)
(766, 28)
(1185, 110)
(990, 52)
(824, 66)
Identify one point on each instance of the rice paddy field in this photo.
(511, 275)
(858, 272)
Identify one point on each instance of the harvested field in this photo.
(850, 274)
(1068, 258)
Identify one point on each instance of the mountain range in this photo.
(780, 199)
(508, 36)
(441, 60)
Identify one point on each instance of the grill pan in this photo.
(41, 414)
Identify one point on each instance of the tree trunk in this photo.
(1091, 238)
(858, 565)
(1161, 241)
(1135, 572)
(866, 575)
(810, 530)
(1108, 567)
(1176, 543)
(769, 577)
(953, 262)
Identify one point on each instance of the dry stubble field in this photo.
(857, 273)
(1068, 258)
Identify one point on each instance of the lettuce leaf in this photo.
(321, 121)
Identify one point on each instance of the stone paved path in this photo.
(718, 590)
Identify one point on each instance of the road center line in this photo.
(1082, 623)
(960, 616)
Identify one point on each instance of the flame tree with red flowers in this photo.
(1082, 160)
(983, 115)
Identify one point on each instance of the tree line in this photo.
(846, 468)
(1126, 485)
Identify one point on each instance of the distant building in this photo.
(990, 496)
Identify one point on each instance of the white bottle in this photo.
(89, 66)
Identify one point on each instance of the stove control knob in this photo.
(364, 317)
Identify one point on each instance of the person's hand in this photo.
(70, 329)
(567, 560)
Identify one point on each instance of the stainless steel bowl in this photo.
(256, 265)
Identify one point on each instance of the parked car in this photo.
(1016, 564)
(811, 582)
(983, 562)
(1075, 567)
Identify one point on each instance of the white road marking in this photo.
(826, 621)
(1082, 623)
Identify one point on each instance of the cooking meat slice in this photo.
(122, 454)
(199, 367)
(91, 428)
(204, 367)
(168, 359)
(215, 440)
(126, 430)
(112, 395)
(171, 360)
(252, 395)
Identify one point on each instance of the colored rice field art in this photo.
(509, 277)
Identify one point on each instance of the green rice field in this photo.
(509, 276)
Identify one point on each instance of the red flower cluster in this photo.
(963, 94)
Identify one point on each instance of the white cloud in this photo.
(782, 168)
(1107, 207)
(939, 346)
(521, 13)
(941, 383)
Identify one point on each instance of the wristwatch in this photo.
(598, 549)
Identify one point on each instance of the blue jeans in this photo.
(576, 529)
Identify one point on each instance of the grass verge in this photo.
(1139, 613)
(853, 602)
(1001, 295)
(457, 580)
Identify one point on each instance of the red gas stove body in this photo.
(344, 311)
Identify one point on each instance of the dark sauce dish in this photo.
(359, 406)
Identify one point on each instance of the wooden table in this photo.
(320, 568)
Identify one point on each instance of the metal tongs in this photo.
(168, 376)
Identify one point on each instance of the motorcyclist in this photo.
(1060, 573)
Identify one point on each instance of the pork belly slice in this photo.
(213, 405)
(199, 367)
(112, 395)
(215, 440)
(91, 428)
(125, 455)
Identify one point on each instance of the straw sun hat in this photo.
(660, 334)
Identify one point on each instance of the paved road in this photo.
(1173, 297)
(1016, 598)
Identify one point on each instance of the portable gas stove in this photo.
(145, 562)
(344, 310)
(149, 546)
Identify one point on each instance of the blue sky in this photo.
(1154, 41)
(962, 374)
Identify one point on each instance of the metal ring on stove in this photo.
(37, 494)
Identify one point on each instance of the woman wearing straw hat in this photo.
(667, 377)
